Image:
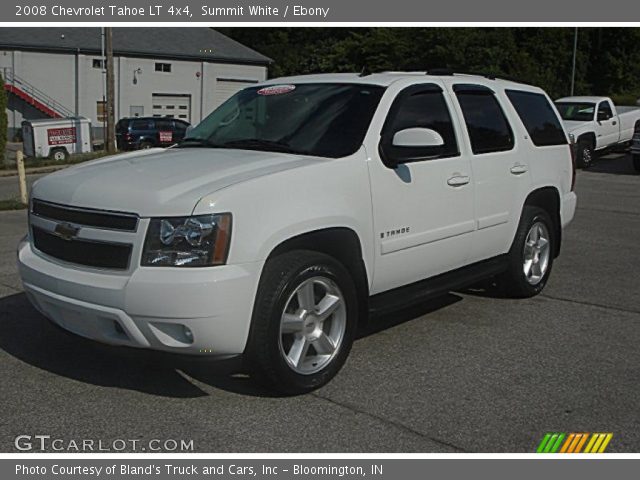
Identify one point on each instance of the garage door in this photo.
(174, 106)
(226, 88)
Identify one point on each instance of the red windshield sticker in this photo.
(276, 90)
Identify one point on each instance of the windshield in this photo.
(576, 111)
(327, 120)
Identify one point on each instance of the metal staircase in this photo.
(34, 96)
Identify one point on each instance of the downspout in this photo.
(13, 83)
(77, 92)
(118, 110)
(201, 90)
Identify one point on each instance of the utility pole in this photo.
(573, 67)
(111, 125)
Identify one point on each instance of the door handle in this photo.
(458, 180)
(519, 169)
(614, 122)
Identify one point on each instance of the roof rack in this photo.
(487, 75)
(365, 72)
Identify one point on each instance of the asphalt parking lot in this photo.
(467, 373)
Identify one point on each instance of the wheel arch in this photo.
(61, 148)
(341, 243)
(588, 136)
(548, 198)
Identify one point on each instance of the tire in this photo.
(530, 261)
(59, 154)
(585, 154)
(291, 350)
(636, 163)
(145, 145)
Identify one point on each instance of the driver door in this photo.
(423, 210)
(607, 128)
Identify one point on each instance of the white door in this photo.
(136, 111)
(607, 128)
(500, 168)
(174, 106)
(226, 88)
(423, 210)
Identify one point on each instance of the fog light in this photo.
(188, 333)
(118, 328)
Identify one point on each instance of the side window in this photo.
(538, 117)
(140, 125)
(424, 108)
(489, 130)
(164, 124)
(604, 111)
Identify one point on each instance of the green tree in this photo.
(607, 63)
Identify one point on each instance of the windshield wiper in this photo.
(198, 142)
(261, 144)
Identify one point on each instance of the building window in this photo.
(163, 67)
(98, 63)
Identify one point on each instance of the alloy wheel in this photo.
(536, 253)
(312, 325)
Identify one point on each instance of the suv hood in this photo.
(160, 182)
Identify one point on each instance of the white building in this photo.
(180, 72)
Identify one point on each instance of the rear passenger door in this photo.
(164, 131)
(500, 169)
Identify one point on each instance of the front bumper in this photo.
(198, 311)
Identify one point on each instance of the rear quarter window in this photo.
(538, 117)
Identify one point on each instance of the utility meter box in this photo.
(56, 138)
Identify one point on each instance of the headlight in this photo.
(200, 241)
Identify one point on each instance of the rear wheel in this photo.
(531, 255)
(144, 145)
(585, 154)
(60, 154)
(303, 323)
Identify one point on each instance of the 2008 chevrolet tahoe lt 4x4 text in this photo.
(297, 210)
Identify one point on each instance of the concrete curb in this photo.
(34, 170)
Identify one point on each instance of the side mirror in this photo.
(603, 116)
(411, 145)
(417, 138)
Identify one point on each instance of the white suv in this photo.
(296, 210)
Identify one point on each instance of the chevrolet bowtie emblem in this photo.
(67, 231)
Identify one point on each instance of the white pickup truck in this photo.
(596, 124)
(299, 210)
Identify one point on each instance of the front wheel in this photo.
(585, 154)
(531, 254)
(636, 163)
(304, 322)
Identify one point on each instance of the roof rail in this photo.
(487, 75)
(440, 71)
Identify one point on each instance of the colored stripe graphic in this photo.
(558, 442)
